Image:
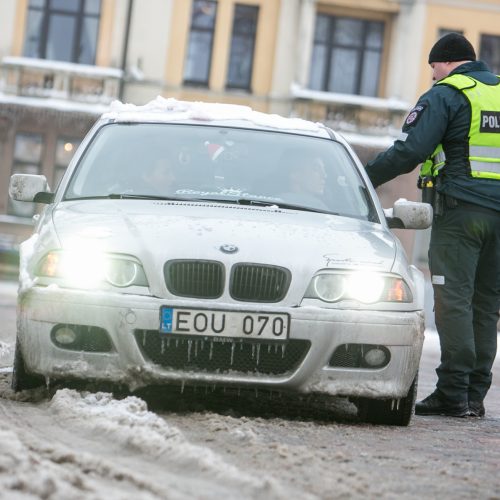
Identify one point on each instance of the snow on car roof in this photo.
(168, 110)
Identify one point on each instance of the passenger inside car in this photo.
(160, 177)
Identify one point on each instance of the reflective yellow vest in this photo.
(484, 132)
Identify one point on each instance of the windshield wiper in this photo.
(290, 206)
(264, 203)
(234, 201)
(129, 196)
(279, 204)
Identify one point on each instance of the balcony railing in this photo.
(28, 77)
(350, 114)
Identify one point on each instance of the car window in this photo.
(223, 164)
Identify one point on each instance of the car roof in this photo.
(170, 110)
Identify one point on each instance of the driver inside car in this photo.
(305, 177)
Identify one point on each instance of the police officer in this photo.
(454, 132)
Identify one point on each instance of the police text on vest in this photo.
(490, 121)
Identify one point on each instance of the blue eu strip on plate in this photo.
(167, 315)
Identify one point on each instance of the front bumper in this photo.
(128, 318)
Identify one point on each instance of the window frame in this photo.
(445, 31)
(495, 68)
(362, 50)
(252, 37)
(80, 15)
(200, 29)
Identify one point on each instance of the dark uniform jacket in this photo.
(442, 115)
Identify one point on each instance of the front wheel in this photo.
(21, 378)
(389, 411)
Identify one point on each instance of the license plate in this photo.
(219, 323)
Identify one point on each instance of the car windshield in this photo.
(223, 164)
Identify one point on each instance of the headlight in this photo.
(122, 272)
(328, 289)
(91, 269)
(365, 287)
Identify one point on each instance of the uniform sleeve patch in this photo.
(415, 114)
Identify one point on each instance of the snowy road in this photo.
(195, 445)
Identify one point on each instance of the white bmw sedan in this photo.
(204, 244)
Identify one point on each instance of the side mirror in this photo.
(28, 187)
(409, 215)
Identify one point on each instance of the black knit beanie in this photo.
(452, 47)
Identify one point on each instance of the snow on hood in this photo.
(161, 109)
(156, 230)
(199, 229)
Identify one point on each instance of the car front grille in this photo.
(195, 278)
(221, 355)
(259, 283)
(204, 279)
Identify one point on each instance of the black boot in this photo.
(435, 404)
(476, 409)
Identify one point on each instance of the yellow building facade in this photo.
(355, 66)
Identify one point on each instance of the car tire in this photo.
(389, 411)
(21, 378)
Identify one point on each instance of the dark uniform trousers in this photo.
(464, 260)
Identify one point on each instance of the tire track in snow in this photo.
(119, 443)
(31, 467)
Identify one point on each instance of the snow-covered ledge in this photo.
(41, 78)
(62, 67)
(361, 118)
(355, 100)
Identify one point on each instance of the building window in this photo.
(446, 31)
(489, 52)
(62, 30)
(201, 36)
(27, 160)
(65, 149)
(347, 55)
(242, 47)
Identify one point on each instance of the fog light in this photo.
(375, 357)
(65, 335)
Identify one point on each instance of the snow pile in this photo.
(6, 356)
(129, 424)
(5, 349)
(24, 474)
(12, 451)
(161, 109)
(128, 420)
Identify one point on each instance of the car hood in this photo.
(157, 231)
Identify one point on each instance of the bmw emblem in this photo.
(228, 248)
